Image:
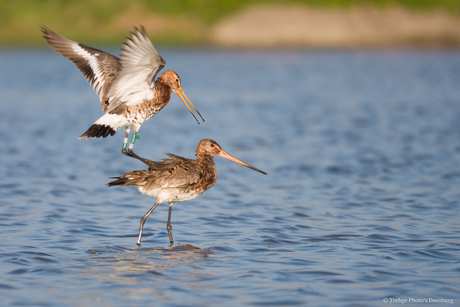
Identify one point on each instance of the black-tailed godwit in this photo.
(126, 86)
(176, 179)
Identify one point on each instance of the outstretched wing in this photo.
(98, 67)
(141, 63)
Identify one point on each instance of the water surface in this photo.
(360, 205)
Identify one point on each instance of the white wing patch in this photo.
(136, 81)
(130, 87)
(98, 81)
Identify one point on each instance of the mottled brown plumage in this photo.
(128, 92)
(109, 65)
(176, 179)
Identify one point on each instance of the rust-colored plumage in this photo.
(176, 179)
(128, 92)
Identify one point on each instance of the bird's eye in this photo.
(212, 145)
(177, 80)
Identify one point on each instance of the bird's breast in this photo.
(147, 109)
(172, 194)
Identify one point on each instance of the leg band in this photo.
(134, 138)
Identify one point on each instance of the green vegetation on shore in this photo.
(211, 11)
(172, 21)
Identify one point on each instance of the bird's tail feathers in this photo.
(106, 125)
(119, 181)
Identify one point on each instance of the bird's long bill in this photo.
(179, 93)
(223, 154)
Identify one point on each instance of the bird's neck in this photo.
(162, 91)
(208, 163)
(206, 159)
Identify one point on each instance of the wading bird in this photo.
(176, 179)
(128, 92)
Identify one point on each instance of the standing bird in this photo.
(128, 92)
(176, 179)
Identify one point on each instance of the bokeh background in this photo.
(351, 107)
(252, 23)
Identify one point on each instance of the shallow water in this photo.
(360, 206)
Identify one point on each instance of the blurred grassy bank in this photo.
(247, 23)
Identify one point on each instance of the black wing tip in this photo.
(50, 36)
(45, 28)
(46, 32)
(137, 31)
(141, 29)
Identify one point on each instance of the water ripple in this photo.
(361, 202)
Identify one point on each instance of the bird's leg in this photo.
(125, 141)
(150, 163)
(168, 225)
(131, 144)
(141, 227)
(130, 152)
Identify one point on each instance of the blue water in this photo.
(360, 206)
